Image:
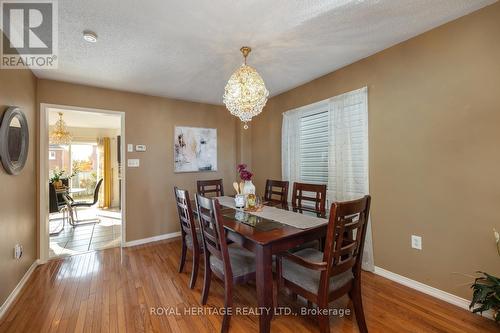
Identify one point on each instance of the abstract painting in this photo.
(195, 149)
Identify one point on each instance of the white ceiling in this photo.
(85, 119)
(188, 49)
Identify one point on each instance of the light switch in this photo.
(130, 148)
(133, 162)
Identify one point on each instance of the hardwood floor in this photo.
(114, 290)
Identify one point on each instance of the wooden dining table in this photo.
(264, 241)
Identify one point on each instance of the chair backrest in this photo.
(186, 218)
(53, 202)
(314, 193)
(345, 238)
(276, 191)
(211, 187)
(96, 191)
(212, 231)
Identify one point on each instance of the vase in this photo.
(248, 187)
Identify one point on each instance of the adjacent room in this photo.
(84, 155)
(249, 166)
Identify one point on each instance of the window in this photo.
(327, 143)
(80, 162)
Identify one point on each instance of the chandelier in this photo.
(245, 94)
(60, 135)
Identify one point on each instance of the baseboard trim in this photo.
(152, 239)
(13, 295)
(426, 289)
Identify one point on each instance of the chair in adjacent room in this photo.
(77, 204)
(276, 193)
(191, 235)
(230, 263)
(212, 188)
(321, 277)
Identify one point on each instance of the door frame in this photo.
(43, 178)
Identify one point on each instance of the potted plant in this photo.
(56, 178)
(486, 290)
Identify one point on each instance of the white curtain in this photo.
(347, 154)
(290, 148)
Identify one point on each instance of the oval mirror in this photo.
(14, 140)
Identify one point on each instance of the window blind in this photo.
(313, 148)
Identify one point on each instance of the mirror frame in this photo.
(11, 167)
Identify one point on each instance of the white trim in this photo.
(152, 239)
(426, 289)
(13, 295)
(44, 167)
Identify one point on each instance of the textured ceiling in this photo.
(188, 49)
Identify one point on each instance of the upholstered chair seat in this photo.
(308, 278)
(242, 261)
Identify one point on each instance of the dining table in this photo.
(70, 190)
(269, 232)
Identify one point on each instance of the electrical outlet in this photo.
(18, 251)
(416, 242)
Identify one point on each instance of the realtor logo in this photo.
(29, 34)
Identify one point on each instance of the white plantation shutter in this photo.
(313, 148)
(327, 143)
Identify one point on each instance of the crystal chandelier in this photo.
(60, 135)
(245, 94)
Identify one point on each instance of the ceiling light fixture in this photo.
(90, 36)
(245, 94)
(60, 134)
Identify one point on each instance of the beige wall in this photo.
(17, 199)
(434, 117)
(150, 120)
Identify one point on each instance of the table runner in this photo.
(288, 217)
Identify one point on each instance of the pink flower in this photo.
(244, 173)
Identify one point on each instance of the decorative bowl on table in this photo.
(253, 209)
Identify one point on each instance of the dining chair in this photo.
(309, 198)
(76, 204)
(211, 187)
(191, 235)
(230, 263)
(276, 193)
(322, 277)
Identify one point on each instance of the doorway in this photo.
(82, 180)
